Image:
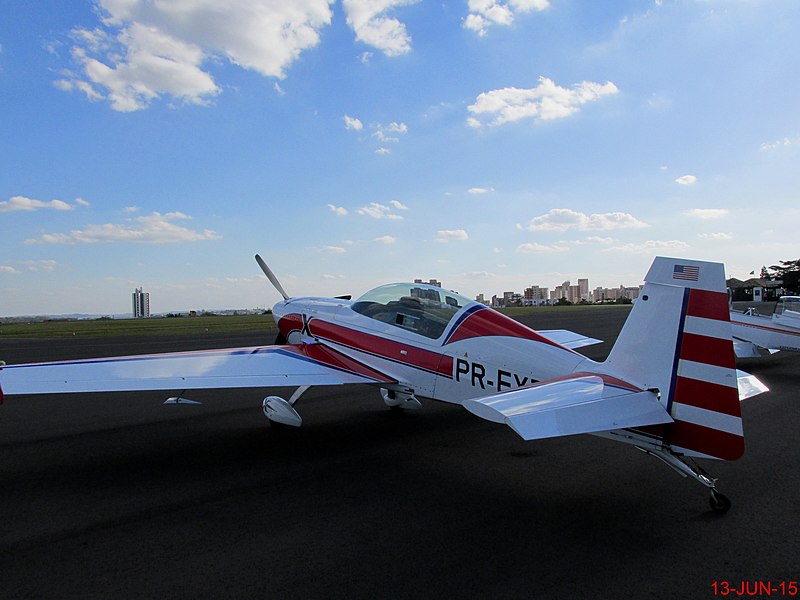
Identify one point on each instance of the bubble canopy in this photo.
(420, 308)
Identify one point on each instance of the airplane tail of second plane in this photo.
(677, 340)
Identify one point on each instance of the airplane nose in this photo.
(279, 310)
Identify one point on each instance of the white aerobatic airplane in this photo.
(669, 387)
(781, 331)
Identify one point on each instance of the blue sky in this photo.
(489, 144)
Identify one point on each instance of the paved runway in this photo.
(118, 496)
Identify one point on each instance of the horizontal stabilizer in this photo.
(568, 339)
(745, 349)
(749, 385)
(582, 403)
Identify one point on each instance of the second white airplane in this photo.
(753, 332)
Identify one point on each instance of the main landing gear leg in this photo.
(281, 411)
(719, 503)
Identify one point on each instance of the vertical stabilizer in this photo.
(678, 340)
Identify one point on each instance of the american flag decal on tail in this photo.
(686, 272)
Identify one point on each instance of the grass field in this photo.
(138, 327)
(189, 325)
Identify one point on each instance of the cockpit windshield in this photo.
(788, 306)
(423, 309)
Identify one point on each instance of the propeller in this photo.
(271, 276)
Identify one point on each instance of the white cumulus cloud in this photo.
(352, 123)
(650, 246)
(22, 203)
(563, 219)
(391, 132)
(378, 211)
(716, 237)
(485, 13)
(594, 239)
(536, 248)
(781, 143)
(368, 20)
(451, 235)
(546, 101)
(339, 211)
(41, 265)
(707, 213)
(398, 205)
(150, 229)
(686, 180)
(142, 50)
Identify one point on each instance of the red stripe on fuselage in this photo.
(380, 346)
(290, 323)
(487, 322)
(764, 327)
(336, 359)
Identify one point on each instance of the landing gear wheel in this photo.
(720, 503)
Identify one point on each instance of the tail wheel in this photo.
(720, 503)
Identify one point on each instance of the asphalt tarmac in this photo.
(119, 496)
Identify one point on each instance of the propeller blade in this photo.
(271, 276)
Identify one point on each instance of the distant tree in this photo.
(765, 273)
(563, 302)
(786, 266)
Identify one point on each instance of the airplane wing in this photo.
(568, 339)
(580, 403)
(267, 366)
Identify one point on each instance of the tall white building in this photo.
(141, 304)
(583, 290)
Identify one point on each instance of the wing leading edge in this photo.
(580, 403)
(266, 366)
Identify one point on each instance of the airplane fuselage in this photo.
(778, 332)
(478, 352)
